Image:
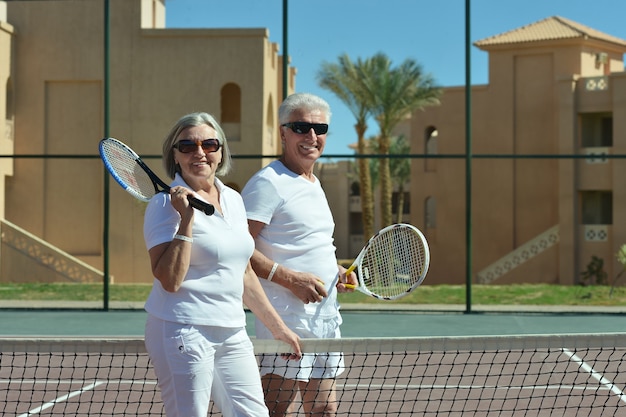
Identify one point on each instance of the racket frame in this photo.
(356, 265)
(196, 203)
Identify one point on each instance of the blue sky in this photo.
(430, 32)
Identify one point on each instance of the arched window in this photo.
(355, 188)
(430, 164)
(230, 105)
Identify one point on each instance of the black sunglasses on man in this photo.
(303, 128)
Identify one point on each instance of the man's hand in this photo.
(346, 283)
(307, 287)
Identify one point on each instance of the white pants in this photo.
(193, 363)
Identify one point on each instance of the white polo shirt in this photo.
(211, 293)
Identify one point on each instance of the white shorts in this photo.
(312, 365)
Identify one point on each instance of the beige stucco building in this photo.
(544, 196)
(52, 91)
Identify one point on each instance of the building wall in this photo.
(532, 108)
(156, 75)
(7, 115)
(618, 104)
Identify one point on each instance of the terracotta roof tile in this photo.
(551, 28)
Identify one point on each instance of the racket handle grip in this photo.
(206, 208)
(348, 271)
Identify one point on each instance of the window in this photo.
(231, 111)
(355, 188)
(597, 207)
(356, 223)
(596, 130)
(9, 111)
(270, 138)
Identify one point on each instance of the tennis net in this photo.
(526, 375)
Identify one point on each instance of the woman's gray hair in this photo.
(302, 101)
(190, 120)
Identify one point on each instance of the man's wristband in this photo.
(274, 268)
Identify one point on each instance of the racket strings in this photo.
(394, 263)
(126, 167)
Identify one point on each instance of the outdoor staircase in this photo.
(42, 256)
(519, 256)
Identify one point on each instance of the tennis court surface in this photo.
(540, 365)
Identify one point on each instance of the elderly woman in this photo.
(195, 332)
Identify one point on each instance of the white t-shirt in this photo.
(211, 293)
(298, 234)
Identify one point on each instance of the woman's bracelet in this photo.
(183, 237)
(274, 268)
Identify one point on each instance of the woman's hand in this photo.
(255, 298)
(180, 201)
(286, 335)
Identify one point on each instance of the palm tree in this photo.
(344, 80)
(400, 168)
(395, 94)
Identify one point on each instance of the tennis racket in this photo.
(393, 262)
(134, 175)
